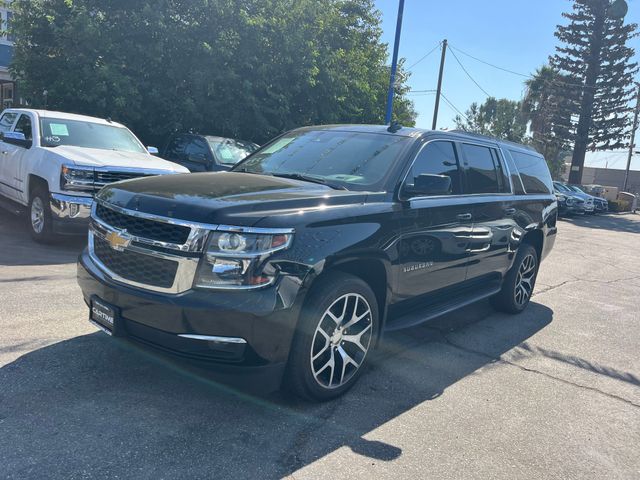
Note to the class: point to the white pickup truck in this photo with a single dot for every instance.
(53, 163)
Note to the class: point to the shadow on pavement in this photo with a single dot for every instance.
(103, 408)
(20, 249)
(628, 222)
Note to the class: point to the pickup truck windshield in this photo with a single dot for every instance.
(355, 160)
(56, 132)
(228, 151)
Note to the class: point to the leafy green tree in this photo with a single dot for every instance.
(500, 118)
(548, 112)
(249, 69)
(594, 53)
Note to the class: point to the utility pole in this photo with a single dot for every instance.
(394, 64)
(434, 125)
(632, 141)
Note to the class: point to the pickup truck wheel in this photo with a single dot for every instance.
(39, 216)
(519, 282)
(338, 326)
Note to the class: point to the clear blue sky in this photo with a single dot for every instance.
(513, 34)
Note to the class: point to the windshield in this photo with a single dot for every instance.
(56, 132)
(355, 160)
(575, 189)
(562, 188)
(228, 151)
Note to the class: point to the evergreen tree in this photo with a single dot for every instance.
(594, 56)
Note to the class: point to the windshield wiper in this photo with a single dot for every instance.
(309, 178)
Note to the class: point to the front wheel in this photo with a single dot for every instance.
(338, 326)
(519, 282)
(39, 216)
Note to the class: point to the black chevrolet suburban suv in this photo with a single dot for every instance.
(297, 261)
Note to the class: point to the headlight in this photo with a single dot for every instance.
(570, 201)
(238, 259)
(77, 179)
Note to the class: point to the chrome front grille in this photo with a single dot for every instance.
(146, 251)
(102, 177)
(136, 267)
(143, 227)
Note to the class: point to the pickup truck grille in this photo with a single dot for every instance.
(136, 267)
(142, 227)
(102, 178)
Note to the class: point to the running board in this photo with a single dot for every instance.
(418, 316)
(11, 206)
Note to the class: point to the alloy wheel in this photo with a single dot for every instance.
(525, 280)
(341, 341)
(37, 215)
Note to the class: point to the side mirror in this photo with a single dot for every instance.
(427, 184)
(16, 138)
(153, 150)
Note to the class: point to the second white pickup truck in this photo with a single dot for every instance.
(52, 163)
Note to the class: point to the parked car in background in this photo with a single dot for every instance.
(587, 201)
(568, 205)
(53, 163)
(601, 204)
(293, 264)
(206, 153)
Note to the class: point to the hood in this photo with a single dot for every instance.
(93, 157)
(229, 198)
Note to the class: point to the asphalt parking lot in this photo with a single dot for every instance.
(552, 393)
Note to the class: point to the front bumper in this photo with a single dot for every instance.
(70, 213)
(252, 330)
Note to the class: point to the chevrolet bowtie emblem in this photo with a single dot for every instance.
(118, 240)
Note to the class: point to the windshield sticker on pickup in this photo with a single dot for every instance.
(59, 129)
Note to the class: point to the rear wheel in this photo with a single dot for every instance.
(337, 328)
(519, 283)
(39, 216)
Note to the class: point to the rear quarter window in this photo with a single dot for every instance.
(533, 172)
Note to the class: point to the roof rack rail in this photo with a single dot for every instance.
(495, 139)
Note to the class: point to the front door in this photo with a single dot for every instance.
(6, 153)
(435, 229)
(13, 160)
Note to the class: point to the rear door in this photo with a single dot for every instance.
(435, 229)
(493, 210)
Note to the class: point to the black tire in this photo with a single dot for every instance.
(328, 292)
(507, 299)
(39, 202)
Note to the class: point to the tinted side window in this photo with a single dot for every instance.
(7, 121)
(175, 148)
(24, 126)
(483, 175)
(437, 158)
(197, 150)
(534, 172)
(518, 189)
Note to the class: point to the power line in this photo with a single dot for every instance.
(468, 74)
(453, 106)
(557, 82)
(425, 56)
(491, 64)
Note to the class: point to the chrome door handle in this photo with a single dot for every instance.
(464, 216)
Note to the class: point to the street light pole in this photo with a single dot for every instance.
(394, 64)
(632, 140)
